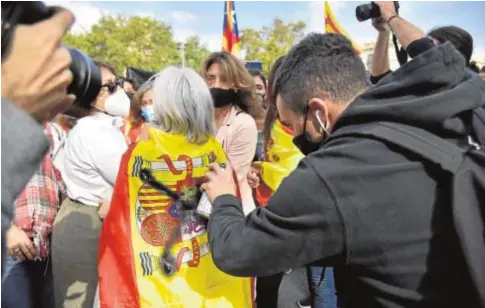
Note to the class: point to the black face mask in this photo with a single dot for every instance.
(223, 97)
(303, 141)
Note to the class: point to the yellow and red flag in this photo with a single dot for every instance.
(230, 33)
(332, 26)
(280, 159)
(141, 221)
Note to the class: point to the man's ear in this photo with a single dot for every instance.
(318, 108)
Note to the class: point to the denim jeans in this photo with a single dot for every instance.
(27, 284)
(322, 287)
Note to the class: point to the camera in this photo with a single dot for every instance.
(367, 11)
(86, 82)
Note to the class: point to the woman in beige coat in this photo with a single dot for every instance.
(233, 92)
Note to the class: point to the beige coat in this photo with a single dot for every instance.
(238, 136)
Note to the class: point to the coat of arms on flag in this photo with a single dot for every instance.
(141, 221)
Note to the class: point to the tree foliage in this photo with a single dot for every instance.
(269, 43)
(147, 43)
(135, 41)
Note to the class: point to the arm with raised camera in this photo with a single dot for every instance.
(405, 32)
(385, 17)
(380, 58)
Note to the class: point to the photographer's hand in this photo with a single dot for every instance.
(36, 74)
(380, 24)
(405, 32)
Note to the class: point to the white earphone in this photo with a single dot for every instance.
(318, 115)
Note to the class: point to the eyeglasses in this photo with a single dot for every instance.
(112, 86)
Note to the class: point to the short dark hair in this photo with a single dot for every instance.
(461, 39)
(318, 64)
(106, 65)
(258, 73)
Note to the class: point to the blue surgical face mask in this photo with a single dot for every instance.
(147, 113)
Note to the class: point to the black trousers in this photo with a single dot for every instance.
(267, 289)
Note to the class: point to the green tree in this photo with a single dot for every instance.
(269, 43)
(195, 53)
(140, 42)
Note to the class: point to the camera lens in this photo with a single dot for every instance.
(86, 82)
(367, 11)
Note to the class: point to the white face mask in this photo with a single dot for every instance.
(117, 104)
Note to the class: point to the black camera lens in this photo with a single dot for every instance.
(367, 11)
(86, 81)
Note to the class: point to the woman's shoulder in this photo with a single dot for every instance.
(244, 120)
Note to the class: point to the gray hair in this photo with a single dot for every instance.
(183, 104)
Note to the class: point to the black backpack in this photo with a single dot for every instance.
(466, 168)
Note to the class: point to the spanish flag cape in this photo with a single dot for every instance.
(280, 159)
(132, 132)
(140, 222)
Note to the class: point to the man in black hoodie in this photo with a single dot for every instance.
(374, 212)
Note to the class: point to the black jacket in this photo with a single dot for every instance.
(375, 213)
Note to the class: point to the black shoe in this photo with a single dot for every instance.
(305, 303)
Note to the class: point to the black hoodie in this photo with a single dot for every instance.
(374, 212)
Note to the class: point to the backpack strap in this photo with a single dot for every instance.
(416, 140)
(467, 215)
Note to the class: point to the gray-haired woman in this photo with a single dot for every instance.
(177, 148)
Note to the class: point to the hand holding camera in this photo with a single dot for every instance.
(380, 25)
(35, 74)
(388, 9)
(40, 75)
(377, 9)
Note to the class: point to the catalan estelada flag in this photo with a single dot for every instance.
(280, 159)
(230, 33)
(332, 26)
(141, 221)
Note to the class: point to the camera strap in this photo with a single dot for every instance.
(401, 54)
(167, 261)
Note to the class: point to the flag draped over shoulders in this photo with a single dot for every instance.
(280, 159)
(140, 222)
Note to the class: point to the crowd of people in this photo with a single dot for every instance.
(295, 166)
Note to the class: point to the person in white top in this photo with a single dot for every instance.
(91, 157)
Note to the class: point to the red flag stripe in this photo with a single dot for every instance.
(117, 275)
